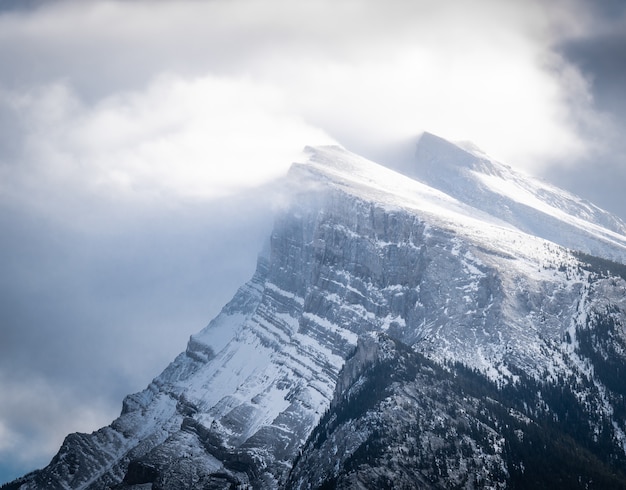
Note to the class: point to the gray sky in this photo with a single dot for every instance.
(139, 140)
(599, 53)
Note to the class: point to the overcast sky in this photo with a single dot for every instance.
(139, 141)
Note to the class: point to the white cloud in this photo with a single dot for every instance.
(183, 138)
(253, 77)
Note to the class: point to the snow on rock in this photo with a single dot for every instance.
(529, 204)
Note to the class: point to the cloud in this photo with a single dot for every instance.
(598, 49)
(594, 50)
(199, 138)
(356, 70)
(35, 411)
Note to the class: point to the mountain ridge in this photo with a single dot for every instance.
(531, 205)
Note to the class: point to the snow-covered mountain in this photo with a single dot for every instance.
(529, 204)
(397, 332)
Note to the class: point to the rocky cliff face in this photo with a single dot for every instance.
(406, 422)
(392, 333)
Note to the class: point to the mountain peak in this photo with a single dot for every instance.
(531, 205)
(431, 147)
(433, 156)
(469, 191)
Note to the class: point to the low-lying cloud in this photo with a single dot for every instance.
(192, 139)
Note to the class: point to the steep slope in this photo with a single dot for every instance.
(405, 422)
(362, 250)
(529, 204)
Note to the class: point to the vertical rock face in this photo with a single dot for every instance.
(391, 333)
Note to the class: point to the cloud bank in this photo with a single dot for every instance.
(180, 80)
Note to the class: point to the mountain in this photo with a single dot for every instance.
(453, 325)
(532, 206)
